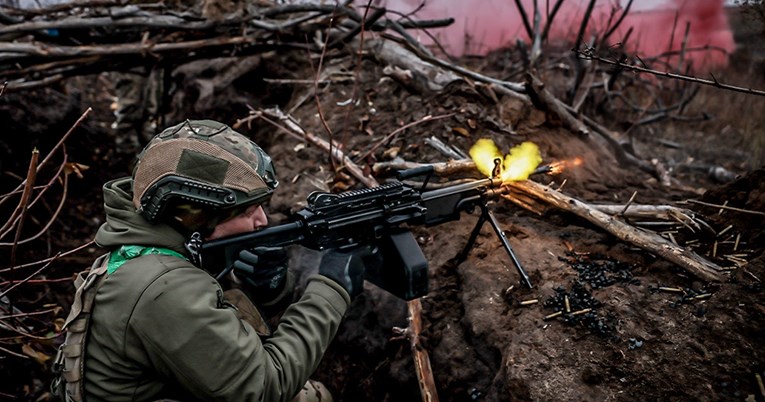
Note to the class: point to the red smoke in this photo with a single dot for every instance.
(707, 23)
(483, 25)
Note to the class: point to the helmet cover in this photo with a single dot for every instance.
(201, 164)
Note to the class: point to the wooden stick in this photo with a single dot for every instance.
(686, 259)
(421, 358)
(446, 150)
(138, 48)
(289, 124)
(25, 196)
(545, 100)
(641, 211)
(64, 192)
(618, 22)
(629, 202)
(13, 286)
(746, 211)
(441, 168)
(425, 78)
(524, 18)
(10, 352)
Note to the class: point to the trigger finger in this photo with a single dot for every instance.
(249, 257)
(243, 268)
(270, 251)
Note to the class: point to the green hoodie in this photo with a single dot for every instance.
(160, 328)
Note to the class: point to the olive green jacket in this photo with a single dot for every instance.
(160, 327)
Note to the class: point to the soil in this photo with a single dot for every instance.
(637, 341)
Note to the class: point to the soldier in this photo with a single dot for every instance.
(147, 324)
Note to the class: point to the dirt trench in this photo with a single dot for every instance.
(637, 342)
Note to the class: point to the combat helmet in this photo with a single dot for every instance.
(198, 173)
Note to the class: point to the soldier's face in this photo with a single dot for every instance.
(251, 219)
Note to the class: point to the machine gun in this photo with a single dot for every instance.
(379, 216)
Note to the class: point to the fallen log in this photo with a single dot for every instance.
(541, 97)
(648, 241)
(409, 69)
(684, 258)
(506, 88)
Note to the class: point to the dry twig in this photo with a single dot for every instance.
(55, 147)
(745, 211)
(589, 55)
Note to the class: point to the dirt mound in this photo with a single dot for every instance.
(624, 337)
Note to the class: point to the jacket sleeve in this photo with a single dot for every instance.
(191, 337)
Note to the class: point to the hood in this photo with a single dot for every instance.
(125, 226)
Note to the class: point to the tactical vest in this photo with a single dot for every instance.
(69, 366)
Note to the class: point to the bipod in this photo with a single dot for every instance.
(488, 216)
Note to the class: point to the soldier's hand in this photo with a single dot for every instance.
(346, 267)
(264, 269)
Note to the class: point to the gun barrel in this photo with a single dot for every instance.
(542, 169)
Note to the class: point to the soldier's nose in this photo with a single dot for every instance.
(259, 218)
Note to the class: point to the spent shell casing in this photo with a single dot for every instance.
(529, 302)
(553, 315)
(668, 289)
(583, 311)
(722, 232)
